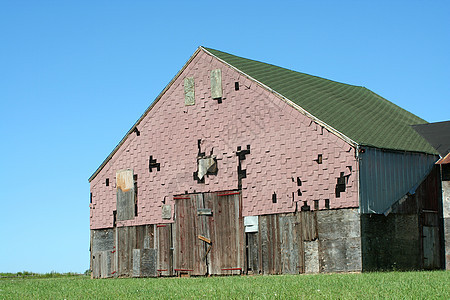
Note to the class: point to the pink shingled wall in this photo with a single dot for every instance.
(283, 146)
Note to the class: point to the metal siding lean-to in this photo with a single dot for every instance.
(386, 176)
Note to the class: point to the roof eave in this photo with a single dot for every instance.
(366, 145)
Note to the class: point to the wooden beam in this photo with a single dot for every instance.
(204, 239)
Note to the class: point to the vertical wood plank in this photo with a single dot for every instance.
(216, 84)
(226, 233)
(136, 272)
(189, 91)
(189, 250)
(164, 240)
(125, 195)
(288, 244)
(300, 238)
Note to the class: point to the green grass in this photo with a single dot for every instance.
(27, 274)
(391, 285)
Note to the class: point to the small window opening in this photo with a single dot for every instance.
(299, 181)
(236, 86)
(327, 203)
(107, 182)
(138, 133)
(319, 159)
(114, 218)
(90, 198)
(316, 204)
(274, 197)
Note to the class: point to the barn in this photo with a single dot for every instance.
(438, 135)
(243, 167)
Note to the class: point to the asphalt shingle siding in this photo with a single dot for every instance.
(355, 111)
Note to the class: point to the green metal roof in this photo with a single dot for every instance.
(354, 111)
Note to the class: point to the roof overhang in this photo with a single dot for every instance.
(437, 134)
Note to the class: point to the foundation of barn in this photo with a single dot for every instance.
(292, 243)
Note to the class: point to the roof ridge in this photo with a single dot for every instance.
(287, 69)
(354, 111)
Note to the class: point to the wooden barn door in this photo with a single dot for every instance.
(189, 250)
(208, 234)
(226, 233)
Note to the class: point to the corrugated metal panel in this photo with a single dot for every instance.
(387, 176)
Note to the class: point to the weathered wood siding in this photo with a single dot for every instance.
(189, 250)
(102, 253)
(208, 235)
(165, 249)
(123, 251)
(125, 195)
(306, 242)
(225, 228)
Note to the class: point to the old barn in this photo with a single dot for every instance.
(242, 167)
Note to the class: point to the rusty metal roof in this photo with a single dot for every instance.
(445, 160)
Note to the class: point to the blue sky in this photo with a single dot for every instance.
(76, 75)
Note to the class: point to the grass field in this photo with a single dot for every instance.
(391, 285)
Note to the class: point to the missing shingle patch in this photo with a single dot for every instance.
(319, 159)
(340, 185)
(153, 164)
(305, 206)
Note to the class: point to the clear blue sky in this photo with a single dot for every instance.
(76, 75)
